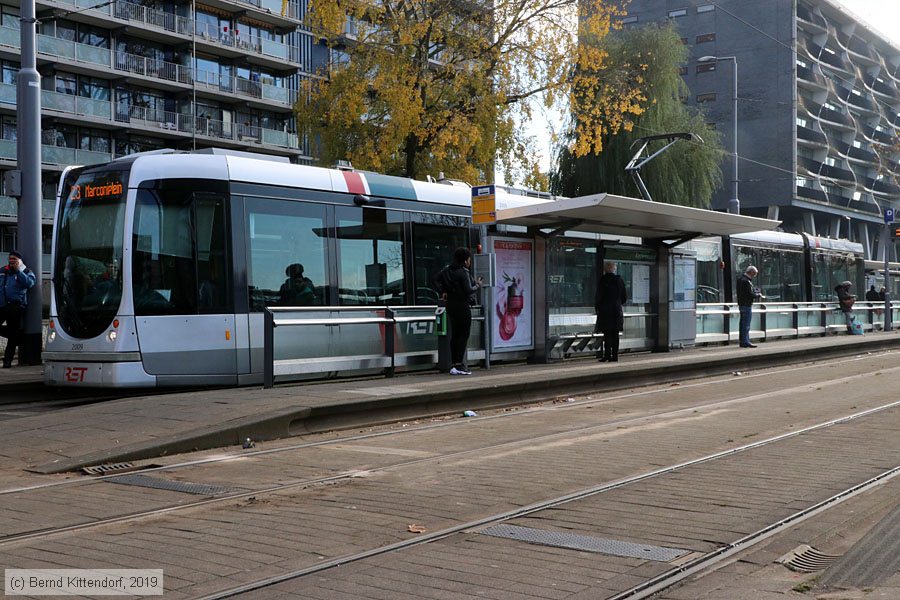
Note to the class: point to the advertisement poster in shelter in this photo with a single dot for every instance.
(513, 295)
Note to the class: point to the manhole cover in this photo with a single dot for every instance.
(561, 539)
(200, 489)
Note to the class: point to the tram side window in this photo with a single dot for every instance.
(433, 247)
(769, 280)
(743, 257)
(822, 290)
(286, 241)
(164, 276)
(370, 242)
(213, 294)
(792, 276)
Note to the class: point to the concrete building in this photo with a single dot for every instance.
(126, 76)
(818, 101)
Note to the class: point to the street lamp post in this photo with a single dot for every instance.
(734, 205)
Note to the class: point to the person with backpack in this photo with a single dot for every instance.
(846, 300)
(458, 289)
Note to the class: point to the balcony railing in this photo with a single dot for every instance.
(151, 67)
(129, 11)
(246, 87)
(248, 43)
(9, 207)
(149, 117)
(806, 133)
(141, 65)
(56, 155)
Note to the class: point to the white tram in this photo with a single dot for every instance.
(164, 261)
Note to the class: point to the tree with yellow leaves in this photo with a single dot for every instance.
(420, 87)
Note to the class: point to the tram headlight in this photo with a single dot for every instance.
(51, 336)
(111, 336)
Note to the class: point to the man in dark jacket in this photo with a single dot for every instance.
(459, 292)
(746, 294)
(608, 303)
(846, 300)
(15, 281)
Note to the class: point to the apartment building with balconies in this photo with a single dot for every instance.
(818, 103)
(135, 75)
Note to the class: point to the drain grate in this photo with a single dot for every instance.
(806, 559)
(107, 468)
(146, 481)
(560, 539)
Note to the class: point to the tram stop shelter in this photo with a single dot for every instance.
(665, 280)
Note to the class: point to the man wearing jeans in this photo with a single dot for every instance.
(746, 294)
(15, 281)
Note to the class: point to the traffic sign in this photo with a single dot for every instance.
(888, 215)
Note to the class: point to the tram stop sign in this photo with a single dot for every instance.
(888, 215)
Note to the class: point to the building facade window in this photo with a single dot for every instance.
(10, 71)
(706, 37)
(706, 8)
(706, 67)
(674, 14)
(706, 98)
(631, 19)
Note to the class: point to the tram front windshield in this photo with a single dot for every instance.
(88, 275)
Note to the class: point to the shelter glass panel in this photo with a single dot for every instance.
(572, 275)
(287, 262)
(370, 242)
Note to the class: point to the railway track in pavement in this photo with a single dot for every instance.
(543, 447)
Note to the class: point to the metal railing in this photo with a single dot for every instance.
(718, 323)
(568, 338)
(390, 318)
(152, 117)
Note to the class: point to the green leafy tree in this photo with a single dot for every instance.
(687, 173)
(428, 86)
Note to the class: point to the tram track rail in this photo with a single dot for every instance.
(541, 406)
(652, 585)
(611, 483)
(45, 533)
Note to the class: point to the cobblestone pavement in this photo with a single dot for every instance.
(444, 473)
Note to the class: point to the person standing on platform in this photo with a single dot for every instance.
(459, 292)
(746, 295)
(872, 294)
(15, 281)
(608, 303)
(846, 300)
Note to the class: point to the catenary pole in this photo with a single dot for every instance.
(28, 123)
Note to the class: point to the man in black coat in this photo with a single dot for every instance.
(746, 295)
(459, 291)
(610, 315)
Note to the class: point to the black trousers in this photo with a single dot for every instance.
(11, 321)
(611, 344)
(460, 316)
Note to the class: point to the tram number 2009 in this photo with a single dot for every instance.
(75, 374)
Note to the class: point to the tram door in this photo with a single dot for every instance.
(181, 284)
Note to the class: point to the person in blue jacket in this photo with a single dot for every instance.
(15, 281)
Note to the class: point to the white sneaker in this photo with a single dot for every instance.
(455, 371)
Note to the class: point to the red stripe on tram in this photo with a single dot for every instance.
(354, 182)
